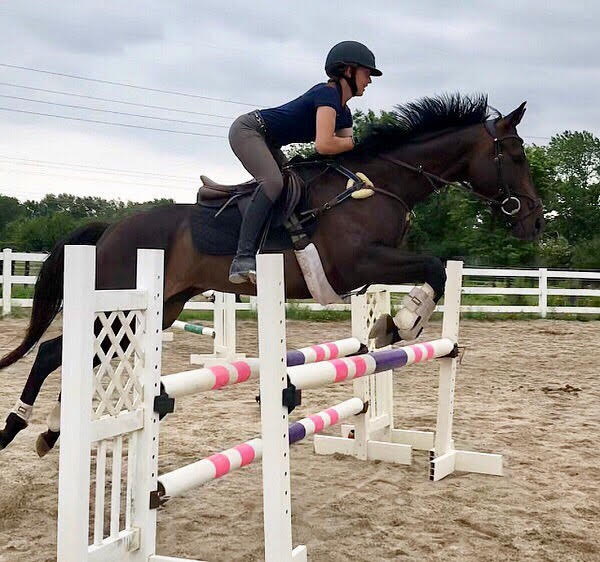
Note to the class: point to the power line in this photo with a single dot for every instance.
(147, 106)
(112, 123)
(169, 183)
(102, 180)
(114, 112)
(73, 166)
(126, 85)
(117, 101)
(9, 192)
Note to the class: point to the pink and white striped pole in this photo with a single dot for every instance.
(181, 480)
(345, 369)
(225, 374)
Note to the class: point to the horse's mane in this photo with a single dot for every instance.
(414, 119)
(424, 116)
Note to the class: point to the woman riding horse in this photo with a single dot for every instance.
(425, 146)
(319, 115)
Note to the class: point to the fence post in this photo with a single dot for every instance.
(543, 285)
(6, 281)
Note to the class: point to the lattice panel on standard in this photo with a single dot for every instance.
(117, 346)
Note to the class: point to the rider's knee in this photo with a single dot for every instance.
(272, 186)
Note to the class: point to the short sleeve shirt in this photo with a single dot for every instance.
(296, 121)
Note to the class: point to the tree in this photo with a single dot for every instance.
(39, 234)
(573, 203)
(10, 210)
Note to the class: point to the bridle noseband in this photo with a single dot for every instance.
(505, 198)
(503, 189)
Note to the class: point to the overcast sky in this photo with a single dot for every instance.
(258, 54)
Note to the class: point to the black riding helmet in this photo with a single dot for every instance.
(349, 53)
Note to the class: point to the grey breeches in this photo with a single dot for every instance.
(248, 142)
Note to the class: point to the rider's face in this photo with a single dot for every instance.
(363, 79)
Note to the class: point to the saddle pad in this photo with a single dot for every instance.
(219, 236)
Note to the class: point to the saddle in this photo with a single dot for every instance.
(213, 194)
(217, 216)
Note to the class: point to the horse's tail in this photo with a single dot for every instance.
(48, 294)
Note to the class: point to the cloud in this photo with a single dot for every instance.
(265, 53)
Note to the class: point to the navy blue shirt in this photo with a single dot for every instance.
(296, 121)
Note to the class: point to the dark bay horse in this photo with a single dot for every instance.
(429, 143)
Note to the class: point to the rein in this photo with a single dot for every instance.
(508, 201)
(508, 198)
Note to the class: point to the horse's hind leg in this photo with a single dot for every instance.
(48, 359)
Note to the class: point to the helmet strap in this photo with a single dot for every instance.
(352, 80)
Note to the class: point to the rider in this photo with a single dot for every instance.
(319, 115)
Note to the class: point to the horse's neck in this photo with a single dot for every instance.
(445, 155)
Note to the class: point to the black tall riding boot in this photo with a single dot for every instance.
(243, 266)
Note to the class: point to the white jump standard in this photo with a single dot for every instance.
(374, 436)
(115, 407)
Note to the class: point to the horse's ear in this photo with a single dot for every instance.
(514, 117)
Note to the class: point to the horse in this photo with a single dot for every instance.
(429, 143)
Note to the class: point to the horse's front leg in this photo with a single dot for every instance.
(389, 265)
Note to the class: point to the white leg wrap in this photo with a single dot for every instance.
(417, 308)
(53, 420)
(23, 410)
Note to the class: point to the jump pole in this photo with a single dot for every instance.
(182, 480)
(226, 374)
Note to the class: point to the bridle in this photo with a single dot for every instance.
(505, 199)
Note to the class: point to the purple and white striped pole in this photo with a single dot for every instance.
(345, 369)
(181, 480)
(225, 374)
(323, 352)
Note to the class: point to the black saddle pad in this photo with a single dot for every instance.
(218, 236)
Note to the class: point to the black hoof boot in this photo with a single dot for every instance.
(384, 331)
(46, 441)
(14, 424)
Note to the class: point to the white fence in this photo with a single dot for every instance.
(483, 281)
(9, 258)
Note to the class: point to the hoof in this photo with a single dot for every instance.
(45, 442)
(384, 331)
(14, 424)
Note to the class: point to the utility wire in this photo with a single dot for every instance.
(164, 187)
(112, 123)
(9, 192)
(114, 112)
(74, 166)
(116, 101)
(102, 175)
(165, 108)
(145, 88)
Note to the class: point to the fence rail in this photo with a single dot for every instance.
(11, 261)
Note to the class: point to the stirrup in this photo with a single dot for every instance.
(240, 272)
